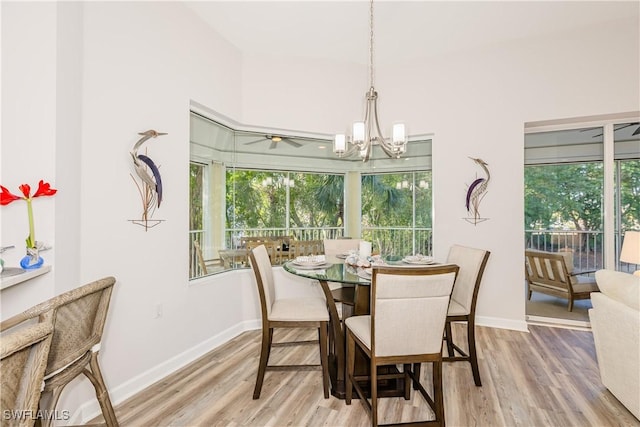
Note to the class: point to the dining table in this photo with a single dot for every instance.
(354, 295)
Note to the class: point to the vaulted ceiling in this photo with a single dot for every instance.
(404, 30)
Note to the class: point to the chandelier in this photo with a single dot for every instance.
(367, 133)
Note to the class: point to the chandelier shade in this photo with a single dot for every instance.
(367, 133)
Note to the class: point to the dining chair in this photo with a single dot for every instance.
(402, 299)
(200, 257)
(78, 318)
(462, 308)
(302, 312)
(270, 246)
(23, 359)
(342, 294)
(335, 247)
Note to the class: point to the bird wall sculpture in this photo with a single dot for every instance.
(151, 187)
(476, 192)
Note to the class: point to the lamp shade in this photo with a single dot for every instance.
(631, 247)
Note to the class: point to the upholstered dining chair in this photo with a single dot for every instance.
(23, 359)
(302, 312)
(78, 318)
(462, 308)
(402, 299)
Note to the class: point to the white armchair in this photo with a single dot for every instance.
(615, 322)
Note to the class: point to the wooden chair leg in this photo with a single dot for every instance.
(351, 361)
(416, 374)
(324, 358)
(407, 381)
(448, 338)
(473, 355)
(267, 334)
(374, 393)
(438, 398)
(570, 308)
(102, 394)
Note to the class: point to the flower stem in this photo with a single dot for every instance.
(31, 240)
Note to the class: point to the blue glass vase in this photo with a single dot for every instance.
(32, 260)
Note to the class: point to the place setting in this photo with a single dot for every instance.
(310, 262)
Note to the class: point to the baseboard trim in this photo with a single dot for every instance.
(559, 323)
(91, 409)
(501, 323)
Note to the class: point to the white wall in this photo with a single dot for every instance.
(476, 103)
(141, 65)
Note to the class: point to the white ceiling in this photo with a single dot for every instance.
(404, 30)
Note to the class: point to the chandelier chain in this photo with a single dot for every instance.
(371, 44)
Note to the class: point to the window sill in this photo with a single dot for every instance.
(6, 280)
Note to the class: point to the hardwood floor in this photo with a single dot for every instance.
(548, 377)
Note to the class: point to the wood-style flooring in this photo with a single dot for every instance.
(548, 377)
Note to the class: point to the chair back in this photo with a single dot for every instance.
(78, 317)
(334, 247)
(472, 263)
(305, 248)
(549, 269)
(271, 246)
(409, 309)
(23, 359)
(261, 266)
(200, 257)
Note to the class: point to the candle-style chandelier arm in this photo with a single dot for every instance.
(367, 133)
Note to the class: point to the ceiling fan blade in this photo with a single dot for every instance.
(292, 142)
(636, 132)
(273, 145)
(253, 142)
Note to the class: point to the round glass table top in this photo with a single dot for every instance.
(333, 271)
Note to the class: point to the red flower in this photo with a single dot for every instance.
(44, 189)
(25, 190)
(6, 197)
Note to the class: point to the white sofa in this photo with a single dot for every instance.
(615, 322)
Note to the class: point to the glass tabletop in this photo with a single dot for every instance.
(333, 272)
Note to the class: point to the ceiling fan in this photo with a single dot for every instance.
(275, 139)
(619, 127)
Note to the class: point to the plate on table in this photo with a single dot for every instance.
(310, 261)
(418, 259)
(312, 266)
(365, 273)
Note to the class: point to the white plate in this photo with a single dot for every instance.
(364, 275)
(312, 266)
(419, 260)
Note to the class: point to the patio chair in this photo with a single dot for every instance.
(78, 317)
(552, 273)
(23, 359)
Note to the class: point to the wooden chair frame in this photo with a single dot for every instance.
(268, 327)
(410, 376)
(470, 319)
(23, 360)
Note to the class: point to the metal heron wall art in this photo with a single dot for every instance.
(476, 192)
(150, 184)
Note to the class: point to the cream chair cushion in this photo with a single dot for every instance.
(299, 309)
